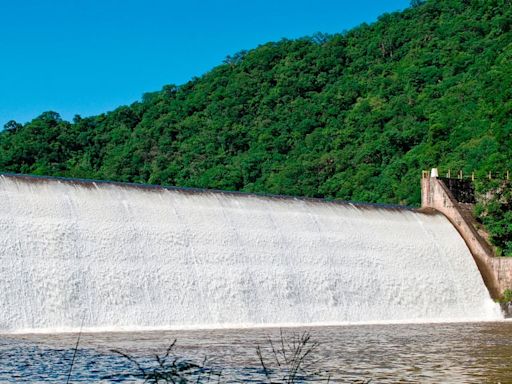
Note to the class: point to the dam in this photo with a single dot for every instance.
(113, 256)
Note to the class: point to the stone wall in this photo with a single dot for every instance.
(496, 271)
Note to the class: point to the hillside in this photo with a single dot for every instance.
(354, 116)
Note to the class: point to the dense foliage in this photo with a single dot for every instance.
(356, 115)
(494, 211)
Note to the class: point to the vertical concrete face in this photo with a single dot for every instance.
(496, 271)
(425, 191)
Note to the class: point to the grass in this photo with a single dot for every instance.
(290, 360)
(169, 368)
(287, 360)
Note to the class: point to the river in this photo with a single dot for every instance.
(477, 352)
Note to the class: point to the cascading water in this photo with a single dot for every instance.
(126, 257)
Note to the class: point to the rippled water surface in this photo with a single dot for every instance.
(419, 353)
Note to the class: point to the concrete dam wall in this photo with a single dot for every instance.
(123, 257)
(454, 201)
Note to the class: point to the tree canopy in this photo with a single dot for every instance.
(355, 115)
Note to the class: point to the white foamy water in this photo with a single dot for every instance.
(124, 257)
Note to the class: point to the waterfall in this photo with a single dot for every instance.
(121, 256)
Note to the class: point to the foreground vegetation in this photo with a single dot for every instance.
(355, 116)
(287, 360)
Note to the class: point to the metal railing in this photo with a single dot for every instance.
(500, 176)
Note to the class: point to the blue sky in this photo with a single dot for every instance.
(90, 56)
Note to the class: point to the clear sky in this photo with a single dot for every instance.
(90, 56)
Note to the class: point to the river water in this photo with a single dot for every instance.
(385, 353)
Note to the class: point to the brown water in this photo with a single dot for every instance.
(405, 353)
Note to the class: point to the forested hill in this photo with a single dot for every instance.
(355, 116)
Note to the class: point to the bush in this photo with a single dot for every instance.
(494, 211)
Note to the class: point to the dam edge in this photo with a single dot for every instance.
(93, 183)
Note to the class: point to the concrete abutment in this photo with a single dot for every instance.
(496, 271)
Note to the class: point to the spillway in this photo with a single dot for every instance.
(116, 257)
